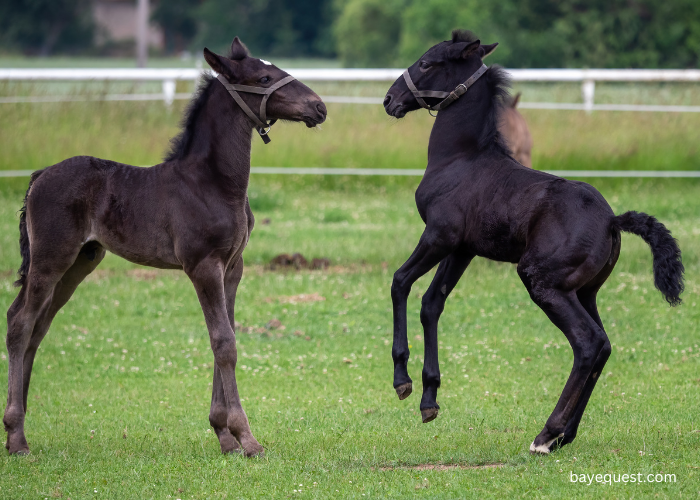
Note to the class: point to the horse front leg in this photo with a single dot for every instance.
(218, 413)
(448, 274)
(424, 258)
(208, 278)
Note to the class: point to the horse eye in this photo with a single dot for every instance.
(424, 66)
(264, 79)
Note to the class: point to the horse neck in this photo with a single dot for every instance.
(222, 138)
(458, 129)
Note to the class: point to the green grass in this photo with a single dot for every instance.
(318, 392)
(37, 135)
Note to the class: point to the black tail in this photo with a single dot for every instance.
(668, 268)
(23, 236)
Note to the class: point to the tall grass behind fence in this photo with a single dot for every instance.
(36, 135)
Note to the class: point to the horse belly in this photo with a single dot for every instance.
(496, 241)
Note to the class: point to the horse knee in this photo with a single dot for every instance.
(590, 351)
(604, 354)
(224, 348)
(399, 287)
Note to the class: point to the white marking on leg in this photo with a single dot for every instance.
(544, 448)
(444, 289)
(595, 374)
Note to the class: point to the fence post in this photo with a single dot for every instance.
(588, 94)
(168, 91)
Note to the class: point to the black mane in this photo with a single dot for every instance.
(463, 36)
(180, 144)
(498, 82)
(499, 87)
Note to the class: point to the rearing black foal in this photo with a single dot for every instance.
(190, 212)
(476, 200)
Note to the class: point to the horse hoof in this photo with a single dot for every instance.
(539, 450)
(255, 452)
(21, 453)
(429, 414)
(404, 390)
(546, 448)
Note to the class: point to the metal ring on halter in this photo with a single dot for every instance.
(264, 131)
(430, 112)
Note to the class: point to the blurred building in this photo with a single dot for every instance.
(115, 23)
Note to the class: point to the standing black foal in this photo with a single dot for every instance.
(476, 200)
(190, 212)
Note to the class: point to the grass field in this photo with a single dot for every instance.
(120, 393)
(35, 135)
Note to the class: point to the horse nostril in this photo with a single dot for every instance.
(321, 108)
(387, 100)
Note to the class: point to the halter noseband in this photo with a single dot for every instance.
(261, 124)
(447, 97)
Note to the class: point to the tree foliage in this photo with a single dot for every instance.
(269, 27)
(533, 33)
(43, 27)
(367, 33)
(178, 21)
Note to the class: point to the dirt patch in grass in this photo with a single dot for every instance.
(443, 467)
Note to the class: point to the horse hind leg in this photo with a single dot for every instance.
(587, 339)
(21, 319)
(587, 298)
(87, 261)
(27, 315)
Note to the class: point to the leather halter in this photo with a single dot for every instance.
(447, 97)
(261, 123)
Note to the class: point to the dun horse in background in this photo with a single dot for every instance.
(476, 200)
(514, 129)
(190, 212)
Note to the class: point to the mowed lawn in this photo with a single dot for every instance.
(120, 394)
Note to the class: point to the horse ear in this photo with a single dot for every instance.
(221, 65)
(214, 61)
(514, 103)
(488, 50)
(462, 50)
(238, 50)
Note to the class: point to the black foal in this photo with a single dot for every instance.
(476, 200)
(190, 212)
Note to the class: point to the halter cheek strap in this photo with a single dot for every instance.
(261, 123)
(447, 97)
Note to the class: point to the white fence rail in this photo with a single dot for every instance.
(168, 77)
